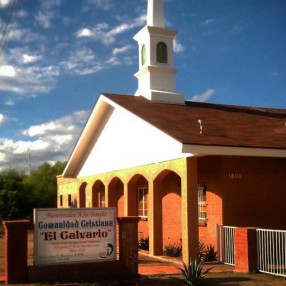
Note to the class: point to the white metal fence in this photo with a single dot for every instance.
(271, 251)
(225, 243)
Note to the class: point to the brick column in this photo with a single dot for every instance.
(245, 249)
(128, 243)
(190, 234)
(126, 199)
(16, 251)
(151, 218)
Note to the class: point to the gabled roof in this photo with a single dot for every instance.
(226, 129)
(222, 125)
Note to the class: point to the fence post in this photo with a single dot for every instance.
(128, 243)
(16, 251)
(218, 227)
(245, 249)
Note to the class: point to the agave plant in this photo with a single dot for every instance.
(193, 273)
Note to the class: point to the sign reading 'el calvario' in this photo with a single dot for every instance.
(74, 235)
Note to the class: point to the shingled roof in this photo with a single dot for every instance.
(223, 125)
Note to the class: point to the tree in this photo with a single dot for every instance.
(15, 201)
(43, 183)
(20, 193)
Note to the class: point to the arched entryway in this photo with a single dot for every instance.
(167, 210)
(82, 195)
(98, 194)
(138, 203)
(116, 195)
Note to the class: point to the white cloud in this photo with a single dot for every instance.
(44, 18)
(82, 62)
(4, 3)
(204, 96)
(47, 142)
(103, 33)
(9, 102)
(100, 4)
(2, 119)
(50, 4)
(21, 14)
(30, 80)
(113, 61)
(209, 21)
(23, 35)
(30, 59)
(178, 47)
(121, 50)
(47, 13)
(84, 33)
(7, 71)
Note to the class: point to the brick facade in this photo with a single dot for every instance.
(241, 191)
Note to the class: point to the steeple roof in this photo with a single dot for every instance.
(156, 75)
(155, 14)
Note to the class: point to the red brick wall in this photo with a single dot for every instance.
(243, 192)
(171, 210)
(143, 230)
(207, 233)
(116, 196)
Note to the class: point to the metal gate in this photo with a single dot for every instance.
(225, 244)
(271, 251)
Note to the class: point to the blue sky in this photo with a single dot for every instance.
(57, 56)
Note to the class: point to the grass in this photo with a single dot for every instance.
(213, 278)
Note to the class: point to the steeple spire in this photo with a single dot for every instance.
(156, 75)
(155, 14)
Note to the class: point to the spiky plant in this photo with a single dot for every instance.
(193, 273)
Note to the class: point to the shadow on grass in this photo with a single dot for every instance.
(167, 281)
(223, 280)
(206, 282)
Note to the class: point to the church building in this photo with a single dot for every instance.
(183, 167)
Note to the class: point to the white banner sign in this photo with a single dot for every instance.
(74, 235)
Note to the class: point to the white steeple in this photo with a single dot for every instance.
(155, 14)
(156, 75)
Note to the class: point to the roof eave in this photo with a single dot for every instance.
(95, 124)
(202, 150)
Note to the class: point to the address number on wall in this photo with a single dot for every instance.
(235, 176)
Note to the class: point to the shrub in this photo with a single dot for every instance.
(202, 250)
(210, 253)
(173, 250)
(193, 273)
(143, 243)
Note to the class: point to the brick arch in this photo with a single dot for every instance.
(167, 210)
(82, 195)
(98, 194)
(137, 198)
(116, 195)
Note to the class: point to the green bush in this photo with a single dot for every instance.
(210, 253)
(143, 243)
(202, 250)
(193, 273)
(173, 250)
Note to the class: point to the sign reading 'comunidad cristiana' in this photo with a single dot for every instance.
(74, 235)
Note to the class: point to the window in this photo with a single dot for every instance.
(162, 53)
(202, 203)
(69, 200)
(61, 200)
(102, 198)
(143, 55)
(142, 202)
